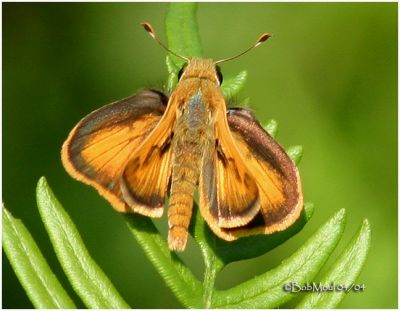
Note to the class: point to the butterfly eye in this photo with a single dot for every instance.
(180, 73)
(219, 75)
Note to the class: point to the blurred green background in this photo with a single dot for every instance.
(328, 75)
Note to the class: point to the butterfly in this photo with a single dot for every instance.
(137, 151)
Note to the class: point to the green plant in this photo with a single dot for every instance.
(264, 291)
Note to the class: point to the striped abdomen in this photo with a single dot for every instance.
(188, 143)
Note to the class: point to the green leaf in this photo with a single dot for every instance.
(171, 67)
(271, 127)
(182, 31)
(295, 153)
(245, 103)
(232, 86)
(343, 273)
(246, 247)
(86, 277)
(41, 285)
(177, 276)
(267, 290)
(172, 74)
(182, 36)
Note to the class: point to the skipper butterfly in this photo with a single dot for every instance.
(139, 149)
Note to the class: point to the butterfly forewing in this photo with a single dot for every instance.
(278, 180)
(99, 147)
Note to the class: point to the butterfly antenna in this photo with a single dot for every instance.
(260, 40)
(152, 33)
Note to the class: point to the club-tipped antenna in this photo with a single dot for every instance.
(260, 40)
(152, 33)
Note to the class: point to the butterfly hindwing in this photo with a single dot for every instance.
(228, 192)
(101, 144)
(146, 177)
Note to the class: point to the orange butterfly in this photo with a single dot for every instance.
(137, 150)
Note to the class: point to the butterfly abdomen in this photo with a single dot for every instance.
(188, 143)
(184, 181)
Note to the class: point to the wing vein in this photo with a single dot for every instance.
(127, 142)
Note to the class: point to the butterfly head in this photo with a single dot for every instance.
(201, 68)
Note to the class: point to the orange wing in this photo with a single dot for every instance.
(278, 181)
(228, 192)
(98, 149)
(145, 179)
(281, 199)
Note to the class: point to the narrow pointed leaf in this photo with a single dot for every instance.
(40, 284)
(295, 153)
(267, 290)
(86, 277)
(177, 276)
(172, 74)
(182, 31)
(232, 86)
(271, 127)
(343, 274)
(172, 68)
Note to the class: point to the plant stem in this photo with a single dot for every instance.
(210, 273)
